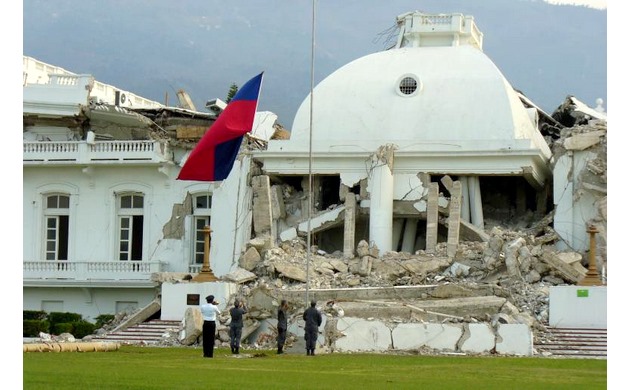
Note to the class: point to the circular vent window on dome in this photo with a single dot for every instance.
(408, 85)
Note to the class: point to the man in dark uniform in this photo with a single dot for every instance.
(313, 319)
(236, 325)
(282, 325)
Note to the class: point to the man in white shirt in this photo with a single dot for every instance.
(209, 312)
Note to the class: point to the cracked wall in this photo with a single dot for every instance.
(175, 227)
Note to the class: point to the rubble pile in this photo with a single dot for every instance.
(514, 264)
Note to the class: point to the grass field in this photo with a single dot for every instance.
(133, 367)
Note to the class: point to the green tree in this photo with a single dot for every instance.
(231, 92)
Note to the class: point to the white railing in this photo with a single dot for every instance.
(437, 19)
(88, 270)
(62, 79)
(83, 153)
(418, 29)
(61, 147)
(123, 147)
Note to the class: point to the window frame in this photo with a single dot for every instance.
(197, 235)
(132, 216)
(61, 217)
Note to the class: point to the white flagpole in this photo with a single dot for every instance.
(310, 159)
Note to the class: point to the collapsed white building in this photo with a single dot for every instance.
(429, 189)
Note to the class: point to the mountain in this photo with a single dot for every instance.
(156, 47)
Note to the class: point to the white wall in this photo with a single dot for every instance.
(578, 307)
(89, 302)
(174, 296)
(93, 223)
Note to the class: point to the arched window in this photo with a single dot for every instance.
(130, 207)
(202, 211)
(56, 224)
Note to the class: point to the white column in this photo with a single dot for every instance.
(476, 209)
(465, 199)
(382, 207)
(432, 217)
(349, 225)
(454, 207)
(399, 223)
(409, 238)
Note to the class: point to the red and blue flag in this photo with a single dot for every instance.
(213, 157)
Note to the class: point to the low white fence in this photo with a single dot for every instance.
(83, 153)
(87, 270)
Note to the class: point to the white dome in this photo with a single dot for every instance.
(461, 101)
(435, 99)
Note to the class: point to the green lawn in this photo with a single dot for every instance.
(185, 368)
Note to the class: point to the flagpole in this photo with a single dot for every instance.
(310, 158)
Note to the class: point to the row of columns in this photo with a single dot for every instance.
(465, 204)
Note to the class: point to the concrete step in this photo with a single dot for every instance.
(574, 342)
(149, 332)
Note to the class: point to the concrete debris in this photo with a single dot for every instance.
(192, 326)
(240, 276)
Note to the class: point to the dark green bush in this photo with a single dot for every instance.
(80, 329)
(61, 327)
(33, 315)
(58, 317)
(32, 328)
(57, 323)
(103, 319)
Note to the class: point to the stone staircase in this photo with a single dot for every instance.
(149, 332)
(573, 343)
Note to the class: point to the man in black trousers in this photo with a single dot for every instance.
(236, 325)
(313, 319)
(209, 312)
(282, 325)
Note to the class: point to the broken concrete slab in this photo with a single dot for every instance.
(470, 232)
(426, 310)
(240, 276)
(564, 270)
(324, 220)
(250, 259)
(416, 335)
(192, 326)
(515, 339)
(362, 335)
(477, 338)
(584, 140)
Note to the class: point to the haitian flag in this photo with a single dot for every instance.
(213, 157)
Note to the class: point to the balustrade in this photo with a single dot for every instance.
(84, 270)
(83, 153)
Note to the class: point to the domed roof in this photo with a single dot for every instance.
(435, 96)
(415, 98)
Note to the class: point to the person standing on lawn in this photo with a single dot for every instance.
(282, 325)
(209, 312)
(313, 319)
(236, 325)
